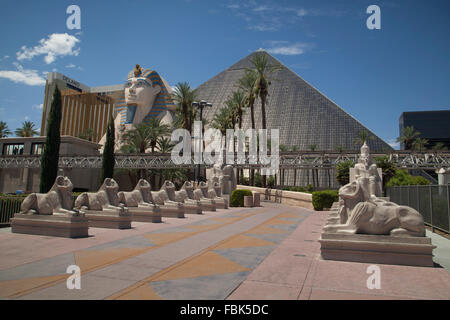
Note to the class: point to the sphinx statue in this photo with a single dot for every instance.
(362, 211)
(142, 90)
(103, 208)
(211, 193)
(140, 203)
(225, 177)
(197, 195)
(51, 213)
(58, 201)
(190, 206)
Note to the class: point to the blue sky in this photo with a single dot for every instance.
(374, 75)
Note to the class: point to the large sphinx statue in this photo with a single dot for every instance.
(103, 208)
(51, 213)
(361, 211)
(225, 177)
(143, 90)
(140, 203)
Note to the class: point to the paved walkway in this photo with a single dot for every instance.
(242, 253)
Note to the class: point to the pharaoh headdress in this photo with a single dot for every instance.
(162, 102)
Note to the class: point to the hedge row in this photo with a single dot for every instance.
(324, 199)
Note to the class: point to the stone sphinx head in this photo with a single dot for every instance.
(140, 93)
(111, 188)
(63, 186)
(145, 189)
(189, 188)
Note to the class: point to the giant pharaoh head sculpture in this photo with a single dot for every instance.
(140, 92)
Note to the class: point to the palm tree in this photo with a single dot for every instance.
(4, 130)
(222, 120)
(165, 145)
(247, 85)
(419, 144)
(363, 136)
(407, 137)
(157, 130)
(440, 146)
(263, 70)
(27, 130)
(183, 95)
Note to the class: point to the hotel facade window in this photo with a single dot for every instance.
(37, 148)
(13, 149)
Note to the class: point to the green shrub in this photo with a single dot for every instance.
(309, 188)
(258, 180)
(270, 182)
(324, 199)
(343, 172)
(237, 197)
(403, 178)
(245, 181)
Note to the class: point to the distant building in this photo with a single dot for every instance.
(83, 107)
(432, 125)
(27, 179)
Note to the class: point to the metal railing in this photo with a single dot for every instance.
(9, 206)
(432, 201)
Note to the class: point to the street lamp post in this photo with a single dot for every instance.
(200, 105)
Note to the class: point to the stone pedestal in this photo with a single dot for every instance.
(409, 251)
(248, 201)
(111, 219)
(148, 214)
(172, 211)
(256, 199)
(73, 226)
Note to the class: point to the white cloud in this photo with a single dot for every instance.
(394, 144)
(26, 76)
(57, 44)
(233, 6)
(302, 12)
(261, 27)
(282, 48)
(261, 8)
(37, 106)
(71, 65)
(27, 118)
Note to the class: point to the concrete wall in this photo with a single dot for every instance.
(290, 198)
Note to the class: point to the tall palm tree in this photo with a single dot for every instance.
(363, 136)
(4, 130)
(27, 130)
(247, 85)
(407, 137)
(222, 120)
(183, 95)
(420, 144)
(263, 70)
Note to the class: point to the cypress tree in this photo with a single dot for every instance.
(108, 160)
(50, 155)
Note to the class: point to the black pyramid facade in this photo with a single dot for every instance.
(303, 115)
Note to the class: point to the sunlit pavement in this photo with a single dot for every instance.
(269, 252)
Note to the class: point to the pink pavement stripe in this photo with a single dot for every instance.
(18, 249)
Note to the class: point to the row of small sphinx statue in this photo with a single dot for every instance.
(168, 201)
